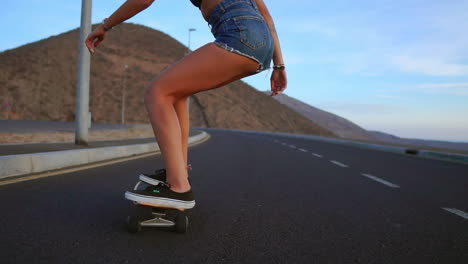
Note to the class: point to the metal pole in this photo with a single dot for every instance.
(82, 95)
(189, 33)
(124, 91)
(189, 40)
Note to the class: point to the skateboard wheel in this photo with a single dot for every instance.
(181, 223)
(133, 225)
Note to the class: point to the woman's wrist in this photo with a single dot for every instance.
(105, 26)
(279, 67)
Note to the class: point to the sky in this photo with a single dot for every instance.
(395, 66)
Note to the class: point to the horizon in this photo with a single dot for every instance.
(395, 67)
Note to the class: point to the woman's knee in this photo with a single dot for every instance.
(181, 101)
(156, 94)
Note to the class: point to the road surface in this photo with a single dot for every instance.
(260, 199)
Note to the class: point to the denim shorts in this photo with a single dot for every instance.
(239, 27)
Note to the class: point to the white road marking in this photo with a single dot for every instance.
(317, 155)
(303, 150)
(339, 163)
(284, 144)
(292, 146)
(457, 212)
(377, 179)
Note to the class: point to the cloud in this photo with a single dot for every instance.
(351, 108)
(390, 96)
(429, 66)
(291, 59)
(455, 89)
(443, 85)
(460, 89)
(366, 63)
(307, 26)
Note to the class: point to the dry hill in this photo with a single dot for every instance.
(38, 82)
(338, 125)
(349, 130)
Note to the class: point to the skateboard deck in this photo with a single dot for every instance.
(149, 215)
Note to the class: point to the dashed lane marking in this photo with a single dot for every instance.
(339, 163)
(303, 150)
(377, 179)
(457, 212)
(292, 146)
(317, 155)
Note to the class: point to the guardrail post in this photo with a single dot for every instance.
(82, 115)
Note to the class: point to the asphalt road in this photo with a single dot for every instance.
(260, 199)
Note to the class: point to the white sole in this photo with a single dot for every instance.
(159, 201)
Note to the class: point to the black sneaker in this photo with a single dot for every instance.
(162, 196)
(158, 177)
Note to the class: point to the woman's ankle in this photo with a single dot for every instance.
(179, 182)
(181, 188)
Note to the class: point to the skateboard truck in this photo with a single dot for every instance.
(179, 223)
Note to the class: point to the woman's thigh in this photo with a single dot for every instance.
(206, 68)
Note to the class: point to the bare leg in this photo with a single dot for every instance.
(204, 69)
(181, 109)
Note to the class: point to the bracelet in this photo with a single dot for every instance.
(104, 25)
(279, 67)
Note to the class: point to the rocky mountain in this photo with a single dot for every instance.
(436, 144)
(348, 130)
(338, 125)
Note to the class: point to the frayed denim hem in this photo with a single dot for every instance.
(230, 49)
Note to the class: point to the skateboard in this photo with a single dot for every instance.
(147, 215)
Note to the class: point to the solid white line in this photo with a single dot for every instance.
(317, 155)
(303, 150)
(457, 212)
(339, 163)
(389, 184)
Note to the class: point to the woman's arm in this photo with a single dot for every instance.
(278, 78)
(126, 11)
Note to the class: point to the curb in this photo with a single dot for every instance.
(453, 157)
(25, 164)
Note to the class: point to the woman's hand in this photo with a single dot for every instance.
(279, 81)
(95, 38)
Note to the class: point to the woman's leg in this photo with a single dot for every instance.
(204, 69)
(181, 108)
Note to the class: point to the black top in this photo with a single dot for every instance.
(196, 3)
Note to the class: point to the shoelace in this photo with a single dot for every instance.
(161, 186)
(158, 172)
(164, 185)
